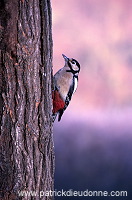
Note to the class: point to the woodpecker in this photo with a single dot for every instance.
(65, 84)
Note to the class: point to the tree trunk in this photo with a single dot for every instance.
(26, 143)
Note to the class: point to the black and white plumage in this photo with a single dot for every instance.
(65, 84)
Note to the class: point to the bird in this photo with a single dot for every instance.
(65, 83)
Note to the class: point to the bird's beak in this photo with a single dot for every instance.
(66, 58)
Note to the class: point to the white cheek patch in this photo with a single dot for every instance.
(75, 84)
(75, 67)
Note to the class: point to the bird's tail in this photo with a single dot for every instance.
(54, 117)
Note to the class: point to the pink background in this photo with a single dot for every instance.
(93, 140)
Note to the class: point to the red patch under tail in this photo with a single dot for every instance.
(58, 103)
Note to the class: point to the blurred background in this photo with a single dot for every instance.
(93, 141)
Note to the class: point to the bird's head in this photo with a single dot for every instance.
(72, 64)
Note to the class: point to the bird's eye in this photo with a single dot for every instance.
(73, 62)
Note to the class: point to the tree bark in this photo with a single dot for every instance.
(26, 142)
